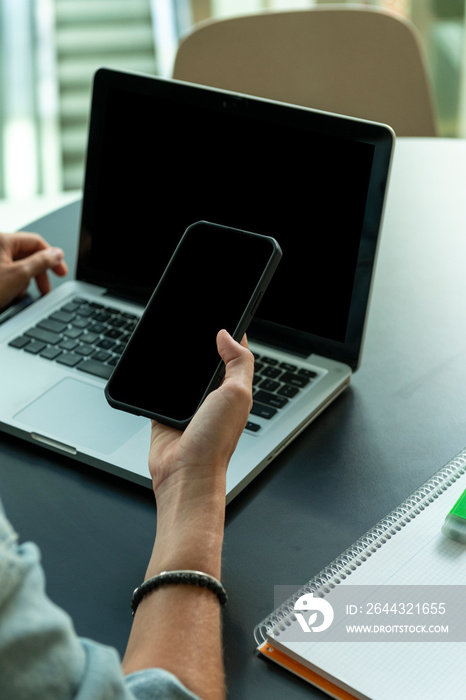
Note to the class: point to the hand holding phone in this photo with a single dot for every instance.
(215, 279)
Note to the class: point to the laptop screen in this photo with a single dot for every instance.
(164, 154)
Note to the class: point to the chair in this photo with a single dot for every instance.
(355, 60)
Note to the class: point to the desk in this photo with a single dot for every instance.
(403, 417)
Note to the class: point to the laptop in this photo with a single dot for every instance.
(162, 155)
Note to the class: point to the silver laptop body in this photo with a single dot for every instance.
(161, 155)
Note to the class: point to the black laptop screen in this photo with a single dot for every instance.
(163, 155)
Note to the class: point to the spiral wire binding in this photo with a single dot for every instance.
(366, 546)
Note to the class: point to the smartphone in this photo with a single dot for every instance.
(215, 279)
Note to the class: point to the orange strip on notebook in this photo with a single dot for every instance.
(306, 673)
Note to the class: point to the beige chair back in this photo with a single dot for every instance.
(355, 60)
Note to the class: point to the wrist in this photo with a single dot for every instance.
(181, 577)
(192, 490)
(190, 526)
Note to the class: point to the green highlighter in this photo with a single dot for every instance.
(454, 526)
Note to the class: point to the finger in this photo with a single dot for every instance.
(42, 278)
(25, 244)
(238, 359)
(43, 283)
(36, 265)
(226, 348)
(61, 269)
(230, 349)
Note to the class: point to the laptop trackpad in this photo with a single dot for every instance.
(77, 414)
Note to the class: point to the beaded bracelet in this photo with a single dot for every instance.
(184, 576)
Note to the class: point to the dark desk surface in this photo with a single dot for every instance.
(403, 417)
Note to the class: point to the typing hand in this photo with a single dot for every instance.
(22, 257)
(205, 447)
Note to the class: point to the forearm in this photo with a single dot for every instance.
(178, 627)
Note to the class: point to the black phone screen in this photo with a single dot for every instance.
(210, 283)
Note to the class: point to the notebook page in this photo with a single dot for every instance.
(418, 554)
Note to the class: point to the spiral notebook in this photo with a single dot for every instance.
(405, 552)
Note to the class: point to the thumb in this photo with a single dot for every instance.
(238, 359)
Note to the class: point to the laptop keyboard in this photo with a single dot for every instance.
(91, 336)
(83, 334)
(275, 384)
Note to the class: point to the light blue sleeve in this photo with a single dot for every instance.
(40, 654)
(157, 684)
